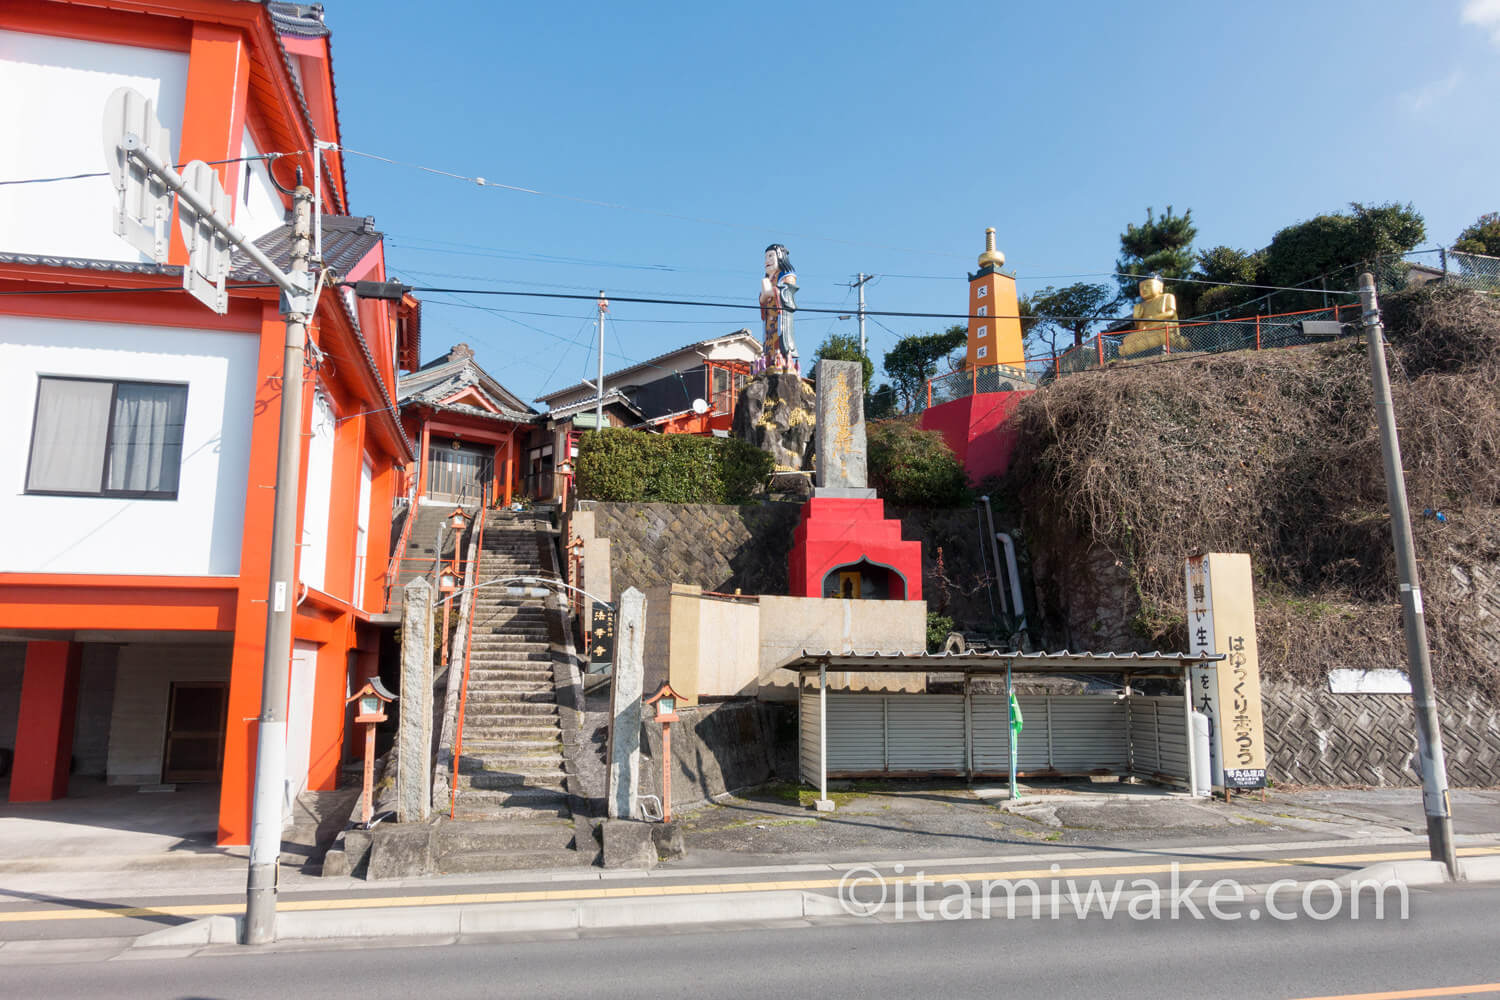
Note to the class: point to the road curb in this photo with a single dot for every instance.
(506, 918)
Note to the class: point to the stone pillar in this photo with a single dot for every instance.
(840, 449)
(625, 714)
(414, 740)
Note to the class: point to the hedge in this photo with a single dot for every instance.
(632, 467)
(910, 467)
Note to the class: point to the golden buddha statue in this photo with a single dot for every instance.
(1155, 321)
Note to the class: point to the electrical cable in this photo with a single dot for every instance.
(483, 182)
(179, 166)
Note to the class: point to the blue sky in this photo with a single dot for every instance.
(875, 137)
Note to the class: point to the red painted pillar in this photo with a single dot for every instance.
(44, 730)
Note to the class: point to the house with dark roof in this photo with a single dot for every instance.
(141, 464)
(470, 430)
(689, 390)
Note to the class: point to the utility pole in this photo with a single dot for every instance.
(270, 756)
(599, 401)
(1434, 769)
(137, 151)
(859, 283)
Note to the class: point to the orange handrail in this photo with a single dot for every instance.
(463, 691)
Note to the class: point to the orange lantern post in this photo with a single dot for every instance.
(665, 702)
(372, 698)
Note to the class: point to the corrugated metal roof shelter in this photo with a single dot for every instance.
(857, 733)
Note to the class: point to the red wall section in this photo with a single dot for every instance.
(972, 428)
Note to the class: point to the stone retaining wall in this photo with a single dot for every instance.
(1319, 738)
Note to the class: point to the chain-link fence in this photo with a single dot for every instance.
(1472, 270)
(1280, 318)
(973, 381)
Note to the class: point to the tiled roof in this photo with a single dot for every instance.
(346, 240)
(440, 379)
(91, 264)
(304, 20)
(345, 298)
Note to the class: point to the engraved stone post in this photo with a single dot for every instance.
(625, 714)
(414, 755)
(841, 431)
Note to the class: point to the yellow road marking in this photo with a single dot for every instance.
(615, 892)
(1432, 991)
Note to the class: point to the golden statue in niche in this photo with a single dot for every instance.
(1155, 321)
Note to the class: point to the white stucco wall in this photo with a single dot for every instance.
(258, 208)
(143, 688)
(52, 123)
(199, 533)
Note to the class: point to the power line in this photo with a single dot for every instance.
(105, 173)
(702, 304)
(484, 182)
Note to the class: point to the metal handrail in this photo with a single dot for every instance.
(463, 691)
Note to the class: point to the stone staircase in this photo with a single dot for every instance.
(512, 791)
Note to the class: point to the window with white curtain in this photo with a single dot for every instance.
(95, 437)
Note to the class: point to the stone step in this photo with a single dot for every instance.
(497, 652)
(546, 723)
(538, 710)
(474, 863)
(551, 735)
(480, 738)
(504, 674)
(521, 803)
(511, 835)
(514, 701)
(493, 704)
(504, 781)
(507, 686)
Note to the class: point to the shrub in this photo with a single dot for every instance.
(938, 627)
(633, 466)
(914, 468)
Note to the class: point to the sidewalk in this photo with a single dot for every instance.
(84, 880)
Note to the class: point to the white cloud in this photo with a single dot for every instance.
(1485, 14)
(1425, 96)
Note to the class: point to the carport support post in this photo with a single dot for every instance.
(1010, 719)
(1187, 721)
(969, 725)
(824, 803)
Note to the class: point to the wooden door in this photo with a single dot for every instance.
(196, 714)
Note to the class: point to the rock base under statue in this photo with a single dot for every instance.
(776, 412)
(847, 547)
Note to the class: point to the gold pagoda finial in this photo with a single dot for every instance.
(991, 257)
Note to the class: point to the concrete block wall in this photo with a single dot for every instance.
(143, 684)
(96, 699)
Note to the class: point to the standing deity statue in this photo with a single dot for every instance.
(778, 291)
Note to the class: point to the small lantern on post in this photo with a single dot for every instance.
(372, 699)
(665, 703)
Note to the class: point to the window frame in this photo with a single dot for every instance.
(109, 438)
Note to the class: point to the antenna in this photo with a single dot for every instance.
(208, 247)
(142, 203)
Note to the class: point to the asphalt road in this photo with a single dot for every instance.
(1449, 940)
(29, 916)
